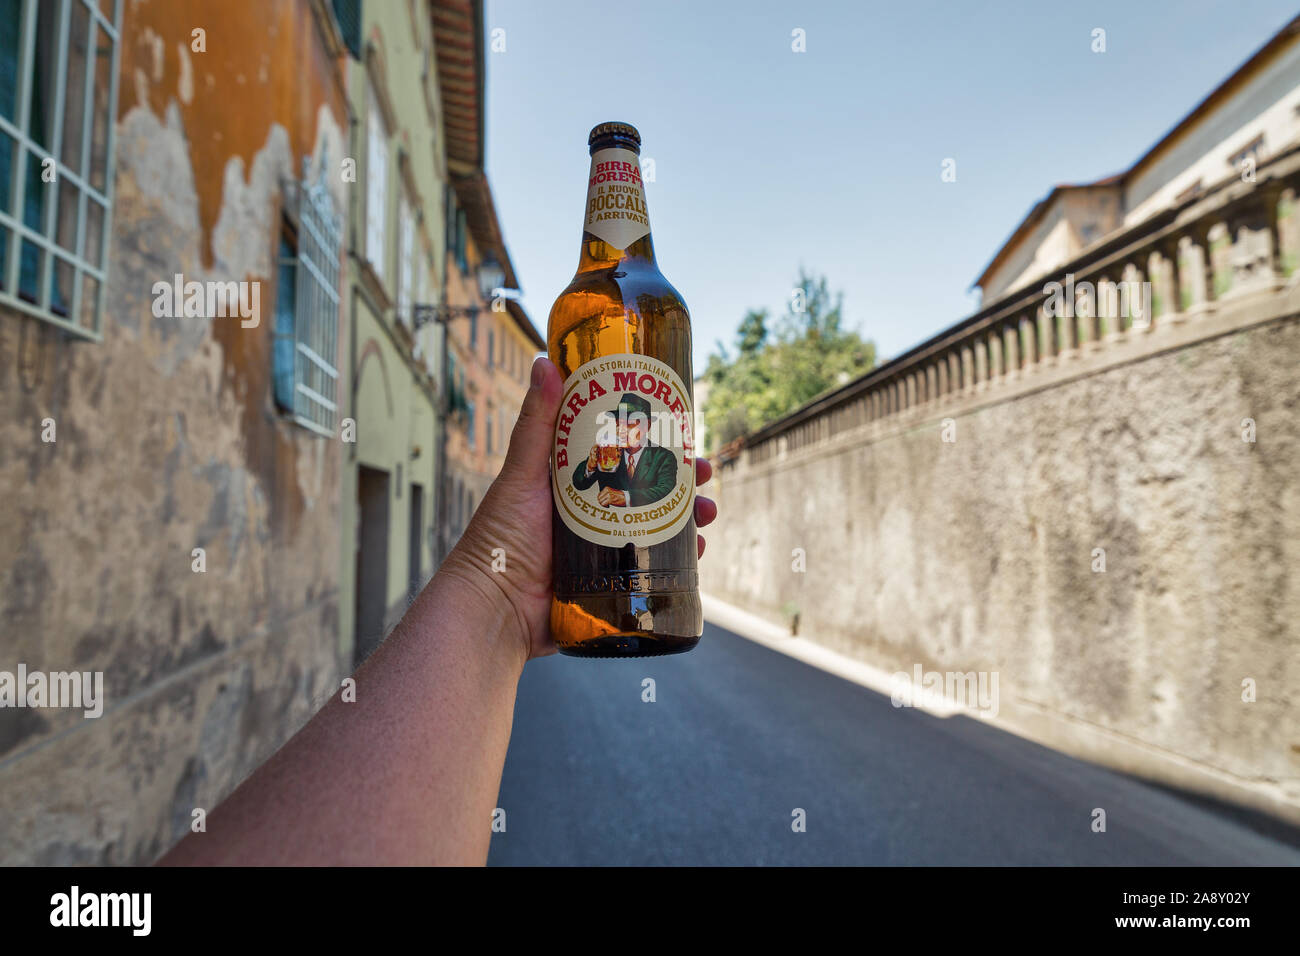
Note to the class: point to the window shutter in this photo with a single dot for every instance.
(348, 14)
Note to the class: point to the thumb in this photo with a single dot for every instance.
(529, 455)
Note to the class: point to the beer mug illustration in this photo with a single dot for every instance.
(607, 455)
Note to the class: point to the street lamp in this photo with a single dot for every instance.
(490, 278)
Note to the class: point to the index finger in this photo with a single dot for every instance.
(703, 471)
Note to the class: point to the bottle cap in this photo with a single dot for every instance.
(621, 135)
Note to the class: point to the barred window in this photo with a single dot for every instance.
(58, 95)
(305, 349)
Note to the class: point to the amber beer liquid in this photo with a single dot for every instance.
(623, 458)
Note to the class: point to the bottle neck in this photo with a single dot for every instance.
(616, 226)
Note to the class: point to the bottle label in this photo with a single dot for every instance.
(616, 198)
(623, 458)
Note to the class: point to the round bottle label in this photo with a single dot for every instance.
(623, 458)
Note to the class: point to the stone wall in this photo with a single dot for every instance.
(979, 553)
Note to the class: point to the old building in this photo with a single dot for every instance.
(490, 341)
(395, 266)
(169, 451)
(249, 266)
(1253, 115)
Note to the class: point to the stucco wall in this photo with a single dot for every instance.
(167, 440)
(977, 555)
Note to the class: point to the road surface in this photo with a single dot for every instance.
(740, 736)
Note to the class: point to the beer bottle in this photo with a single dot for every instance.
(623, 457)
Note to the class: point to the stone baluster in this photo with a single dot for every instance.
(1047, 343)
(1134, 300)
(1286, 228)
(1026, 329)
(1219, 243)
(1254, 249)
(1193, 275)
(1164, 298)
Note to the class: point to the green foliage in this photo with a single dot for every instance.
(775, 370)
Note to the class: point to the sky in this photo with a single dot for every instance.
(767, 160)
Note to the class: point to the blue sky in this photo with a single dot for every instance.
(767, 159)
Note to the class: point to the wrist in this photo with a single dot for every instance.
(483, 613)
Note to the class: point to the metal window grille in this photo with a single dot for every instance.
(316, 306)
(58, 102)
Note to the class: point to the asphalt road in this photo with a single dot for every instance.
(740, 736)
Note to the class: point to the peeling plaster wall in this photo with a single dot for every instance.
(168, 440)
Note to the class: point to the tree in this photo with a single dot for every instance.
(771, 375)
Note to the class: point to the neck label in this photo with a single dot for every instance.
(616, 209)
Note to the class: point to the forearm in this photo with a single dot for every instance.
(409, 772)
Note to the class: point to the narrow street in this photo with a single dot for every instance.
(739, 736)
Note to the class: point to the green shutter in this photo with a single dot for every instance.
(348, 14)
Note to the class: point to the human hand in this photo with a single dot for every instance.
(592, 458)
(515, 515)
(611, 496)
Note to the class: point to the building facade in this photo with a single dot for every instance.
(1250, 117)
(490, 348)
(171, 237)
(396, 246)
(488, 340)
(239, 246)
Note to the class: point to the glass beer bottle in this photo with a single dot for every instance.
(623, 458)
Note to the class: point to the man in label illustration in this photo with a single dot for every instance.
(642, 473)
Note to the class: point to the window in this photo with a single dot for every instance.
(492, 349)
(348, 14)
(304, 351)
(58, 96)
(473, 331)
(1252, 151)
(469, 423)
(487, 427)
(462, 232)
(376, 184)
(405, 253)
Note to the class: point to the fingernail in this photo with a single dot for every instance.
(539, 371)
